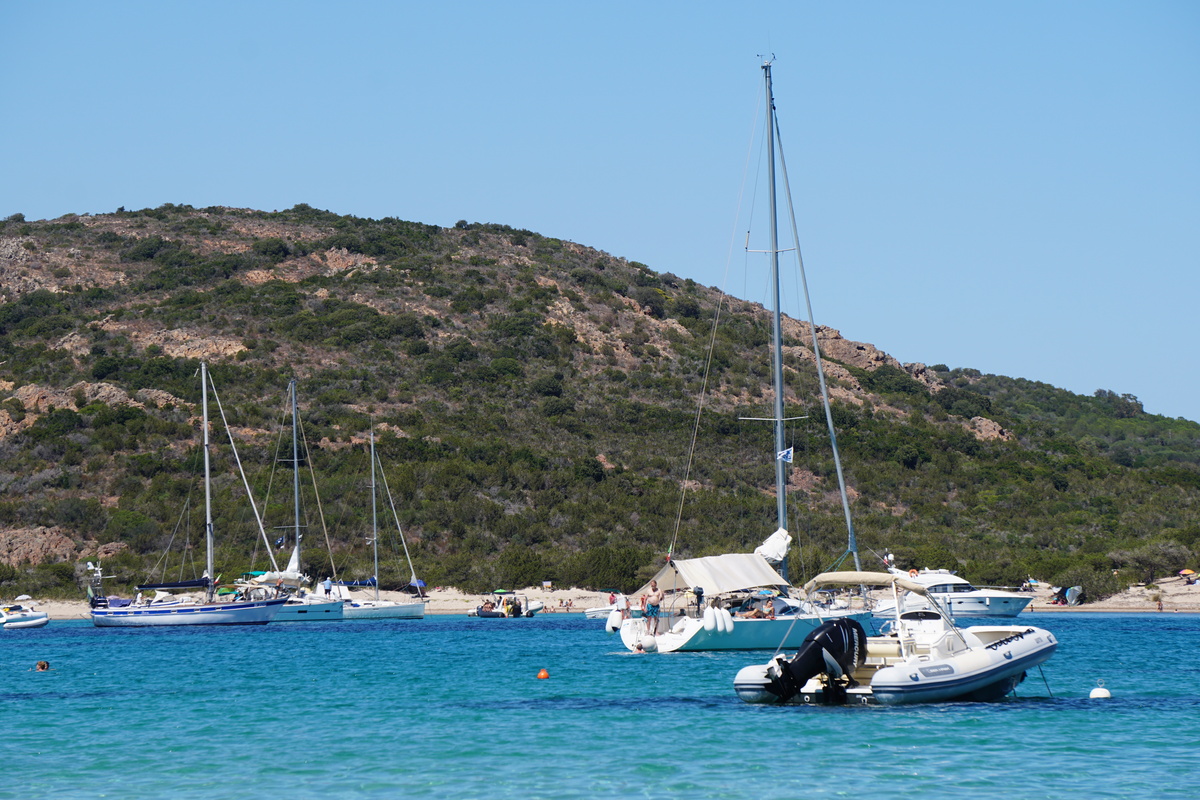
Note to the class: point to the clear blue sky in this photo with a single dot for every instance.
(1011, 186)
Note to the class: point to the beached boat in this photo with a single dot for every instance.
(733, 581)
(15, 616)
(112, 612)
(919, 657)
(377, 607)
(955, 595)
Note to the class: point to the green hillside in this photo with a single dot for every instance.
(534, 401)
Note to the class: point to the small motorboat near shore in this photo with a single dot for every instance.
(505, 603)
(15, 617)
(919, 657)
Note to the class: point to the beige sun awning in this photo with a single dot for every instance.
(733, 572)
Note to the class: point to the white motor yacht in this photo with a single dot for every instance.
(955, 595)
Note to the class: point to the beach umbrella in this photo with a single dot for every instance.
(1187, 572)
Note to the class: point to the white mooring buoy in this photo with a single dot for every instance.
(1100, 693)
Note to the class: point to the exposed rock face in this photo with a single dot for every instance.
(25, 268)
(294, 270)
(42, 545)
(39, 400)
(924, 375)
(103, 551)
(856, 354)
(35, 546)
(985, 429)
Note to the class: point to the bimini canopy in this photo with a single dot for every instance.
(863, 579)
(733, 572)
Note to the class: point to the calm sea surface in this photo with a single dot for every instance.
(451, 707)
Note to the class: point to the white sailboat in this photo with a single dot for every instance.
(919, 655)
(301, 605)
(377, 607)
(110, 612)
(747, 579)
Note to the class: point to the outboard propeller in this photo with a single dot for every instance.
(835, 648)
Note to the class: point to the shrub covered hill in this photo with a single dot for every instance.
(534, 402)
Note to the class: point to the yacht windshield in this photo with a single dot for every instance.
(951, 588)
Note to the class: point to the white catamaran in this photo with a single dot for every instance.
(122, 613)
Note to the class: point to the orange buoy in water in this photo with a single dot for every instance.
(543, 675)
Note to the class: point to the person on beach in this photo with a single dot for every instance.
(653, 601)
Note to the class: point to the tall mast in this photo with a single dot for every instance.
(777, 316)
(295, 473)
(374, 527)
(208, 522)
(852, 543)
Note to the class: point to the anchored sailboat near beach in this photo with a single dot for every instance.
(302, 605)
(377, 607)
(117, 612)
(765, 615)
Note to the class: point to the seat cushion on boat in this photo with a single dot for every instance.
(883, 648)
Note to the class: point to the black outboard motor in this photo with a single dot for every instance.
(836, 648)
(699, 592)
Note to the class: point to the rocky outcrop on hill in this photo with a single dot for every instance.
(39, 545)
(50, 545)
(37, 400)
(986, 429)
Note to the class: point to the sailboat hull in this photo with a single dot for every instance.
(371, 609)
(258, 612)
(330, 611)
(690, 635)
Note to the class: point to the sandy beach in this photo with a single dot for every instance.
(1176, 596)
(439, 601)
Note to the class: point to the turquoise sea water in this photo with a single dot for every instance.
(451, 707)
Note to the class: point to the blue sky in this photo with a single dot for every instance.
(1010, 186)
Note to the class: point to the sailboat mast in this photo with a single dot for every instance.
(777, 326)
(295, 471)
(852, 543)
(374, 526)
(208, 522)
